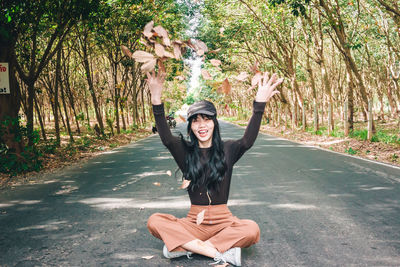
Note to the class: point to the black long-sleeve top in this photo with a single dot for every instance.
(234, 149)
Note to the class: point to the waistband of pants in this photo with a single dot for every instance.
(213, 213)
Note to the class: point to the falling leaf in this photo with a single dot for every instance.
(160, 31)
(126, 51)
(200, 217)
(200, 52)
(147, 29)
(159, 49)
(202, 45)
(215, 62)
(157, 183)
(180, 77)
(169, 173)
(147, 257)
(142, 56)
(144, 42)
(215, 51)
(190, 44)
(256, 78)
(242, 76)
(149, 66)
(166, 40)
(254, 68)
(185, 184)
(226, 86)
(182, 118)
(168, 54)
(206, 75)
(177, 51)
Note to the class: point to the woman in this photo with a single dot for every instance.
(206, 161)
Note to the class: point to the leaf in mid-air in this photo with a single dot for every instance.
(149, 65)
(200, 217)
(215, 62)
(126, 51)
(206, 75)
(142, 56)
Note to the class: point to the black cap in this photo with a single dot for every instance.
(201, 107)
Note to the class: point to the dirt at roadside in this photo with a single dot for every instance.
(378, 151)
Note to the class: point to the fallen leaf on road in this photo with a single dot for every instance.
(157, 183)
(169, 173)
(200, 217)
(147, 257)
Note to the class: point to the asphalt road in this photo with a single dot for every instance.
(314, 208)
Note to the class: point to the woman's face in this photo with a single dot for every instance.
(203, 128)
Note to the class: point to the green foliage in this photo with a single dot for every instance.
(297, 6)
(84, 142)
(12, 162)
(350, 151)
(49, 147)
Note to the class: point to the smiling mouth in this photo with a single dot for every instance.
(203, 133)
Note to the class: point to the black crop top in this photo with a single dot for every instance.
(234, 149)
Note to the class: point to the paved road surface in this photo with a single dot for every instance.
(314, 208)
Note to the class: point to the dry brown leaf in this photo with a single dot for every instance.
(159, 49)
(215, 51)
(147, 257)
(149, 65)
(200, 52)
(144, 42)
(168, 54)
(180, 77)
(242, 76)
(185, 184)
(166, 41)
(126, 51)
(190, 44)
(147, 29)
(169, 173)
(202, 45)
(142, 56)
(157, 183)
(254, 68)
(200, 217)
(182, 118)
(161, 31)
(256, 78)
(206, 75)
(177, 51)
(226, 86)
(215, 62)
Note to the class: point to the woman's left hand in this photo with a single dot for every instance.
(266, 87)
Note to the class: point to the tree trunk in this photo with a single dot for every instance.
(91, 86)
(40, 120)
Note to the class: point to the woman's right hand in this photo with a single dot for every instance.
(155, 83)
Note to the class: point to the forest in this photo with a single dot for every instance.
(71, 82)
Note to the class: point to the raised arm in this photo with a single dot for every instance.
(266, 90)
(173, 143)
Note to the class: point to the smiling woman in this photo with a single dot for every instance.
(206, 162)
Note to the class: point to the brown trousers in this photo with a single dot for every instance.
(219, 227)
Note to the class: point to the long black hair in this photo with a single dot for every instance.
(216, 164)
